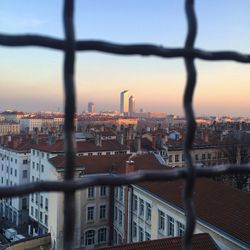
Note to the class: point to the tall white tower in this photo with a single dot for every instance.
(131, 105)
(91, 107)
(124, 102)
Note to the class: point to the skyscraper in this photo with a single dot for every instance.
(91, 107)
(124, 102)
(131, 105)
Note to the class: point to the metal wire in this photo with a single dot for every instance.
(69, 93)
(191, 126)
(189, 173)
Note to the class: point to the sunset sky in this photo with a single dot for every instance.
(31, 78)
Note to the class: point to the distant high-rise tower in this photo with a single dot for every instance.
(91, 107)
(131, 105)
(124, 102)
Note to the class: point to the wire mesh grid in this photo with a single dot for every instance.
(69, 46)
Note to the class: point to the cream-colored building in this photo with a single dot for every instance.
(7, 128)
(154, 210)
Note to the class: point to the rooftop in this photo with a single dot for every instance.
(199, 242)
(82, 146)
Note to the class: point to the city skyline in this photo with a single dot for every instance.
(222, 87)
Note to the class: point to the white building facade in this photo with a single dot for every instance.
(15, 168)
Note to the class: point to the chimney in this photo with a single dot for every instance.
(130, 166)
(121, 138)
(153, 141)
(5, 140)
(15, 142)
(98, 140)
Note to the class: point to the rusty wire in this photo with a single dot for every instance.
(69, 45)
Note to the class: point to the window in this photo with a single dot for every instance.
(42, 168)
(103, 191)
(180, 229)
(36, 198)
(41, 216)
(90, 213)
(41, 201)
(10, 171)
(91, 192)
(119, 217)
(46, 219)
(134, 229)
(176, 158)
(115, 214)
(196, 157)
(36, 214)
(135, 203)
(25, 161)
(141, 234)
(161, 220)
(120, 194)
(103, 212)
(90, 237)
(147, 236)
(115, 237)
(116, 192)
(119, 239)
(102, 235)
(33, 165)
(209, 156)
(46, 203)
(15, 173)
(16, 161)
(183, 157)
(25, 173)
(32, 211)
(170, 226)
(203, 156)
(141, 205)
(148, 211)
(24, 203)
(170, 158)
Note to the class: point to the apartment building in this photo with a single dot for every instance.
(206, 155)
(150, 211)
(41, 169)
(134, 213)
(14, 170)
(7, 128)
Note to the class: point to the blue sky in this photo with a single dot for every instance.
(157, 84)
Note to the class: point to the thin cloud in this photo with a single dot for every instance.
(21, 23)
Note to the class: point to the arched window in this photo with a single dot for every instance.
(90, 237)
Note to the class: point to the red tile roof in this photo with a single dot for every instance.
(82, 146)
(199, 242)
(216, 204)
(104, 163)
